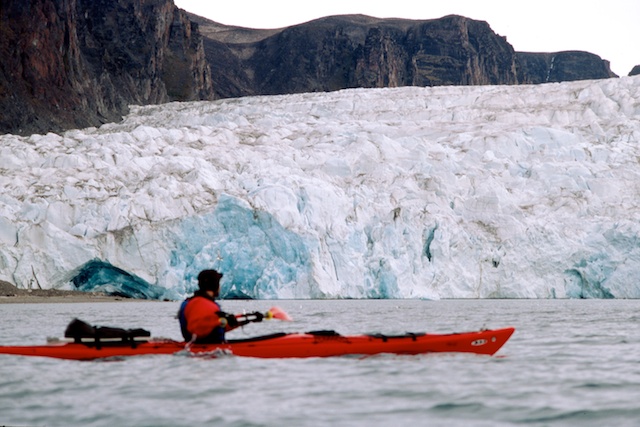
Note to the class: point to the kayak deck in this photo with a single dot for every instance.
(281, 345)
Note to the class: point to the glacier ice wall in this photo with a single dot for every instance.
(446, 192)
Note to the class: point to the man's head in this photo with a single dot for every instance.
(209, 280)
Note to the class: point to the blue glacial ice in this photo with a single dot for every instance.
(258, 257)
(100, 276)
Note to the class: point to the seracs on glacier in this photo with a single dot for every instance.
(444, 192)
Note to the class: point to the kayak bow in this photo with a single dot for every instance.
(281, 345)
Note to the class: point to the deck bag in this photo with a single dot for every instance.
(82, 332)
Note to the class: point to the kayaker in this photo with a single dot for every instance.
(201, 319)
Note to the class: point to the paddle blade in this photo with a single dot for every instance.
(278, 313)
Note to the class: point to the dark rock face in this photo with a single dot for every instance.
(635, 71)
(562, 66)
(75, 63)
(359, 51)
(458, 51)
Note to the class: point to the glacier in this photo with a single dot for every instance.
(442, 192)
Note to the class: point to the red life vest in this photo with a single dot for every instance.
(199, 316)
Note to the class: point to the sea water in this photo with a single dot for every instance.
(570, 362)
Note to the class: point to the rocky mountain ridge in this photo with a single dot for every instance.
(72, 63)
(350, 51)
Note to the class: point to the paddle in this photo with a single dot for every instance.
(278, 313)
(244, 319)
(273, 313)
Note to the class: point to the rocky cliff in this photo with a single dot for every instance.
(73, 63)
(360, 51)
(357, 51)
(562, 66)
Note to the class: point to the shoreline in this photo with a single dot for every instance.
(44, 299)
(10, 294)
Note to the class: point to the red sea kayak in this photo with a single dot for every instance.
(281, 345)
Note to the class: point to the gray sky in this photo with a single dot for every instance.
(609, 28)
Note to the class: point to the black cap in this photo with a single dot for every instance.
(209, 280)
